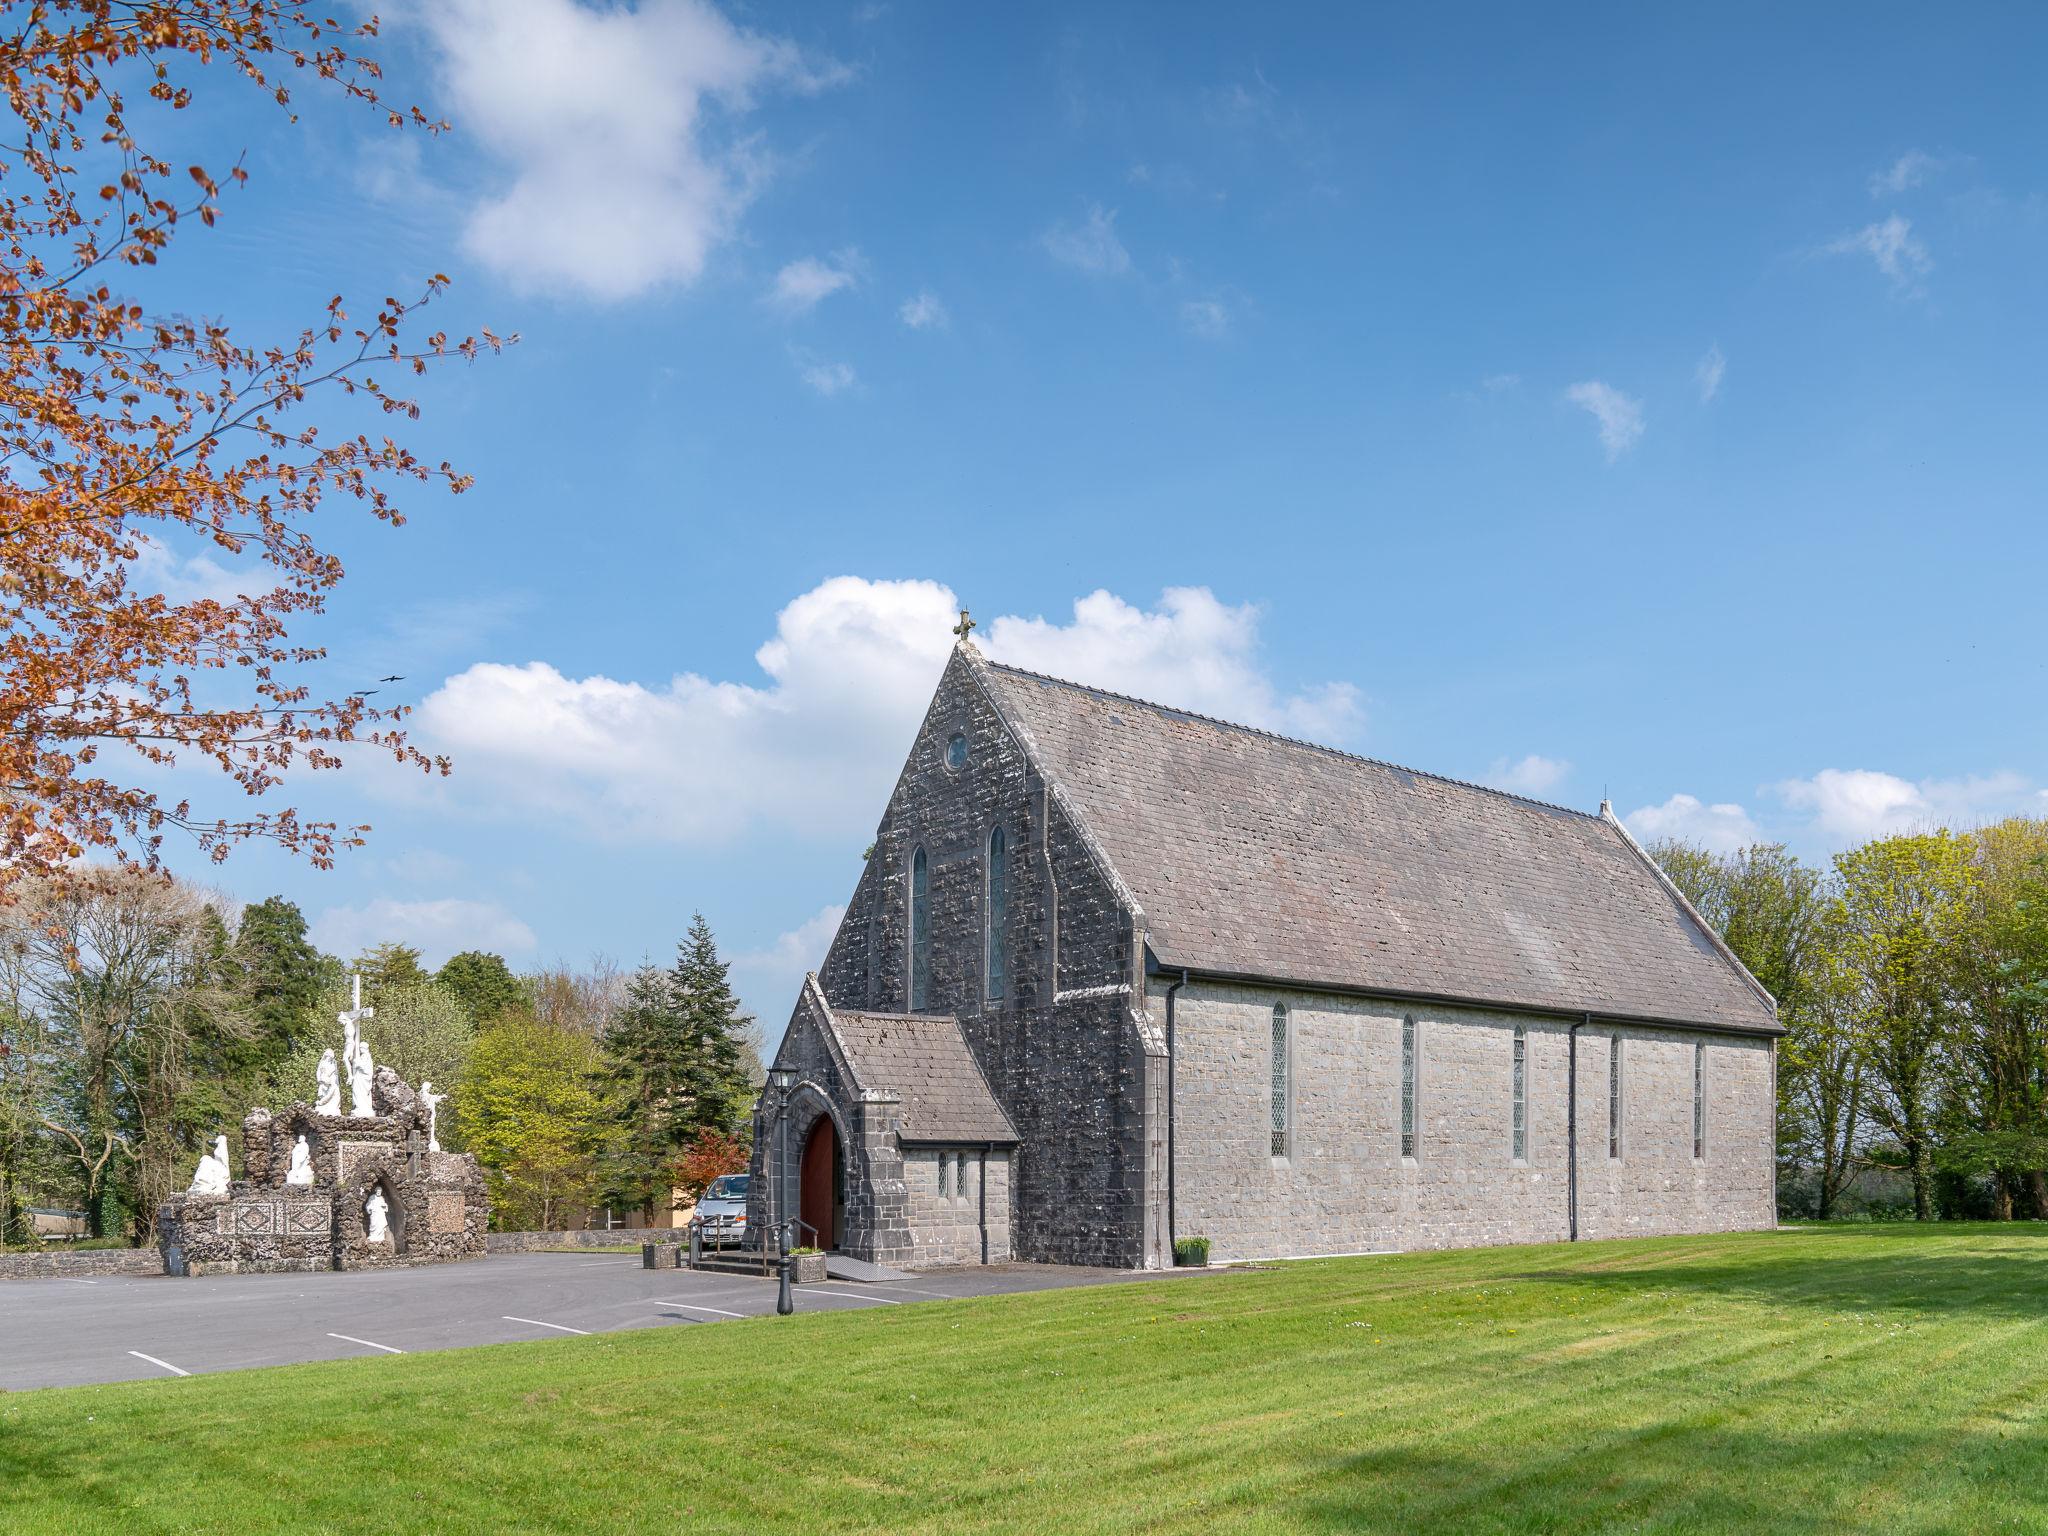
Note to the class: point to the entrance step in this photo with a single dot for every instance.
(840, 1267)
(741, 1261)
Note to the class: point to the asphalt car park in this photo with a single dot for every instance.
(72, 1332)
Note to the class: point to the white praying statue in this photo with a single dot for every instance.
(212, 1177)
(433, 1101)
(328, 1080)
(301, 1170)
(376, 1210)
(359, 1070)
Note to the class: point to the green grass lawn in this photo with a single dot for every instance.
(1851, 1378)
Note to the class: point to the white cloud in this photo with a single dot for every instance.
(1707, 374)
(1193, 652)
(767, 979)
(1091, 246)
(1722, 828)
(827, 378)
(1903, 174)
(1852, 805)
(1494, 383)
(1206, 318)
(619, 132)
(801, 285)
(922, 311)
(192, 578)
(437, 929)
(815, 748)
(1531, 775)
(1620, 418)
(1891, 243)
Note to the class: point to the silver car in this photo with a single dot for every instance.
(723, 1210)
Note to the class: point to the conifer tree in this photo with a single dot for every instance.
(677, 1061)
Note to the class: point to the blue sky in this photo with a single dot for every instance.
(1591, 401)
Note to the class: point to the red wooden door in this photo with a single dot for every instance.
(816, 1193)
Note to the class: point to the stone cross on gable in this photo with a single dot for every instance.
(961, 629)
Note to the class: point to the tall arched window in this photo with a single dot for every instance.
(1521, 1092)
(920, 932)
(1699, 1099)
(1408, 1087)
(998, 909)
(1279, 1079)
(1614, 1097)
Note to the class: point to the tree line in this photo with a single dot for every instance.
(1912, 979)
(141, 1016)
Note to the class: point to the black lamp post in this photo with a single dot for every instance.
(782, 1079)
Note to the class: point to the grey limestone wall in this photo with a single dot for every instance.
(876, 1216)
(1072, 1071)
(1343, 1184)
(946, 1212)
(59, 1262)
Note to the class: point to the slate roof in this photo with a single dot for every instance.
(1256, 855)
(924, 1060)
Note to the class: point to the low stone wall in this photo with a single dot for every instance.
(596, 1237)
(56, 1263)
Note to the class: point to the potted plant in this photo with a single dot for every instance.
(809, 1267)
(1190, 1252)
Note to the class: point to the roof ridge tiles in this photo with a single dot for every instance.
(1292, 741)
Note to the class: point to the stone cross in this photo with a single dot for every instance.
(415, 1144)
(964, 625)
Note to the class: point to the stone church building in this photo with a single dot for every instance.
(1116, 973)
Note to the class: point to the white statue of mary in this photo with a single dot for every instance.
(376, 1210)
(360, 1068)
(301, 1171)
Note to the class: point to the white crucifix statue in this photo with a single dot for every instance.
(355, 1051)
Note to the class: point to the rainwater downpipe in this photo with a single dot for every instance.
(1571, 1165)
(1172, 1233)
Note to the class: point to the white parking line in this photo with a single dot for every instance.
(152, 1359)
(76, 1280)
(534, 1322)
(688, 1306)
(349, 1338)
(880, 1301)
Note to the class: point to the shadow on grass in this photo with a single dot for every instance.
(1676, 1477)
(1975, 1270)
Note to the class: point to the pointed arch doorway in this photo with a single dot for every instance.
(821, 1185)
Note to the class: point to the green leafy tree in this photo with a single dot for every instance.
(535, 1120)
(481, 983)
(1995, 1100)
(1773, 911)
(1900, 908)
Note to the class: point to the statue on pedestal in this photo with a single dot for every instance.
(328, 1078)
(212, 1177)
(375, 1211)
(433, 1102)
(301, 1170)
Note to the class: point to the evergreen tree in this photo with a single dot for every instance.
(279, 975)
(678, 1063)
(716, 1083)
(390, 965)
(482, 983)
